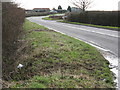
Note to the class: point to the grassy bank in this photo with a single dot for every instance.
(54, 60)
(98, 26)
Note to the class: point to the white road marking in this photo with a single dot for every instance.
(91, 31)
(94, 31)
(114, 70)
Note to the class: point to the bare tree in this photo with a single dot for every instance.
(82, 4)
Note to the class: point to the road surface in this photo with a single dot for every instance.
(103, 38)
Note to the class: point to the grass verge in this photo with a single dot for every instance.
(98, 26)
(48, 18)
(55, 60)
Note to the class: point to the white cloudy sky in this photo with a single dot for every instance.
(96, 5)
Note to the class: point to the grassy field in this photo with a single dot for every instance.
(98, 26)
(54, 60)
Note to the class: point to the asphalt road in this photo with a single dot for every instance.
(102, 38)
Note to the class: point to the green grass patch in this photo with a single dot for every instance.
(32, 26)
(60, 61)
(99, 26)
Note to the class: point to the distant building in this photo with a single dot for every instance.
(28, 11)
(75, 9)
(41, 9)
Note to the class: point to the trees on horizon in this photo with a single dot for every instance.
(59, 7)
(69, 9)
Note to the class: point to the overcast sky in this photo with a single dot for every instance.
(108, 5)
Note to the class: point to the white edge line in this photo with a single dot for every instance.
(93, 31)
(78, 38)
(90, 43)
(100, 48)
(87, 30)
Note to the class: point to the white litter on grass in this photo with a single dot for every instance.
(20, 66)
(108, 55)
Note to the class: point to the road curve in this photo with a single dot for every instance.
(103, 38)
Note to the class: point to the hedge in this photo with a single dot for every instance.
(105, 18)
(12, 20)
